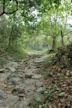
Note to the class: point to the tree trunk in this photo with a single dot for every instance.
(10, 40)
(62, 40)
(54, 43)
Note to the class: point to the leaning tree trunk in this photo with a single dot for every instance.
(62, 40)
(54, 43)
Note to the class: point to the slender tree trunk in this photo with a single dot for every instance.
(9, 44)
(54, 43)
(10, 39)
(62, 40)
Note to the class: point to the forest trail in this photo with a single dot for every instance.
(20, 82)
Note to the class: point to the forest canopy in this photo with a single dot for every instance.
(49, 18)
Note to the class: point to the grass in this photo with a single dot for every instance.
(17, 53)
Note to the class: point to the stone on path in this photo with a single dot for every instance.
(2, 95)
(7, 100)
(12, 66)
(36, 76)
(2, 70)
(28, 75)
(23, 82)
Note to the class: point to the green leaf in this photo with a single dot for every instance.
(62, 94)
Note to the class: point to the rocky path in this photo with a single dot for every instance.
(20, 82)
